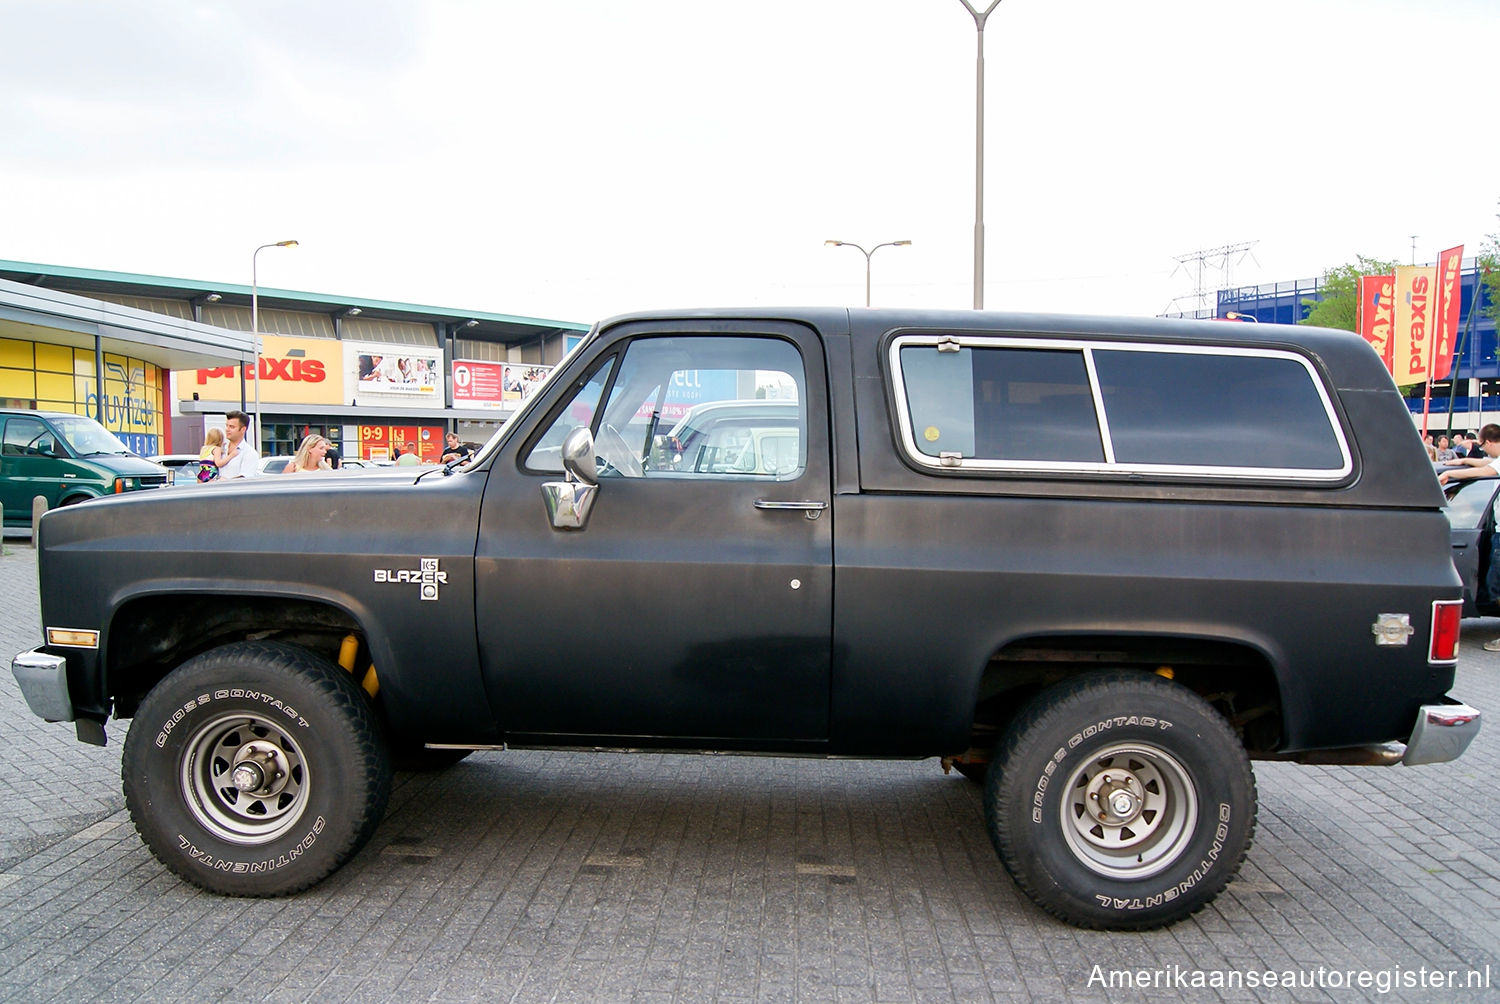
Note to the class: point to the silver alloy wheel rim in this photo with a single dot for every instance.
(1129, 811)
(244, 750)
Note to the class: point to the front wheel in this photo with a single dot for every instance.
(255, 769)
(1121, 801)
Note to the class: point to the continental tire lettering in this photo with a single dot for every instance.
(1221, 834)
(1144, 721)
(215, 863)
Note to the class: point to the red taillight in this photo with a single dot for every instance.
(1445, 615)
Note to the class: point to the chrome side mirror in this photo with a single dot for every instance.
(568, 502)
(578, 456)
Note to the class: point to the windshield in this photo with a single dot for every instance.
(1467, 501)
(87, 436)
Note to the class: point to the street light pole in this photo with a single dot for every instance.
(868, 255)
(979, 19)
(255, 325)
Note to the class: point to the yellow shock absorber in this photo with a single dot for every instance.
(347, 652)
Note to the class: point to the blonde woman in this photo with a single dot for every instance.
(309, 456)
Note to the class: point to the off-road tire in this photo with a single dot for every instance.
(1120, 800)
(263, 711)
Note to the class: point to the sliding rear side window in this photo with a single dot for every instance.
(1027, 404)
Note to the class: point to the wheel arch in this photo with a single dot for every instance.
(156, 627)
(1238, 676)
(74, 495)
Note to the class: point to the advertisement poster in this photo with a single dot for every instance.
(522, 380)
(478, 384)
(385, 442)
(375, 373)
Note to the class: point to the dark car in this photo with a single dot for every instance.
(1100, 563)
(1471, 514)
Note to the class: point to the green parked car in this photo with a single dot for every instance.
(65, 459)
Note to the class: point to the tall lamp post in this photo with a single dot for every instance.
(255, 326)
(868, 254)
(979, 18)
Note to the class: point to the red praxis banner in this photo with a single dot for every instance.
(1445, 316)
(1376, 296)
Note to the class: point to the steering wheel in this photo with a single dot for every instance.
(612, 447)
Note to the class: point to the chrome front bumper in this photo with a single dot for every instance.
(43, 679)
(1442, 733)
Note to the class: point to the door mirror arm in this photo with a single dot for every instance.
(569, 502)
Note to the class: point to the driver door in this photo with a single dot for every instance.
(688, 610)
(1471, 518)
(29, 466)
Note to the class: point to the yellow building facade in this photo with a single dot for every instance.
(51, 377)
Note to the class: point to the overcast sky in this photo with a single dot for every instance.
(576, 159)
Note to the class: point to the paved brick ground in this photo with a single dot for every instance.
(563, 877)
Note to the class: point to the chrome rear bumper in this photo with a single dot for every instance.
(1442, 733)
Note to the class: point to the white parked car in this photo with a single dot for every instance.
(182, 468)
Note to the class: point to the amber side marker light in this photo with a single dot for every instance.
(73, 637)
(1445, 617)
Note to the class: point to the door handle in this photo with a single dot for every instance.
(810, 508)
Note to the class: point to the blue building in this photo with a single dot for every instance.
(1473, 388)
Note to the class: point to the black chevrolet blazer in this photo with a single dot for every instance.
(1097, 564)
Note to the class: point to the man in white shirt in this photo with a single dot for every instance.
(241, 459)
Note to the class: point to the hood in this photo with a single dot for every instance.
(127, 464)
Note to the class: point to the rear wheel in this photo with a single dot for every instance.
(255, 769)
(1121, 801)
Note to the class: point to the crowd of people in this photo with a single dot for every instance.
(231, 456)
(1466, 456)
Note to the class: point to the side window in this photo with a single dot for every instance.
(546, 453)
(695, 406)
(1017, 403)
(24, 436)
(1215, 410)
(1005, 404)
